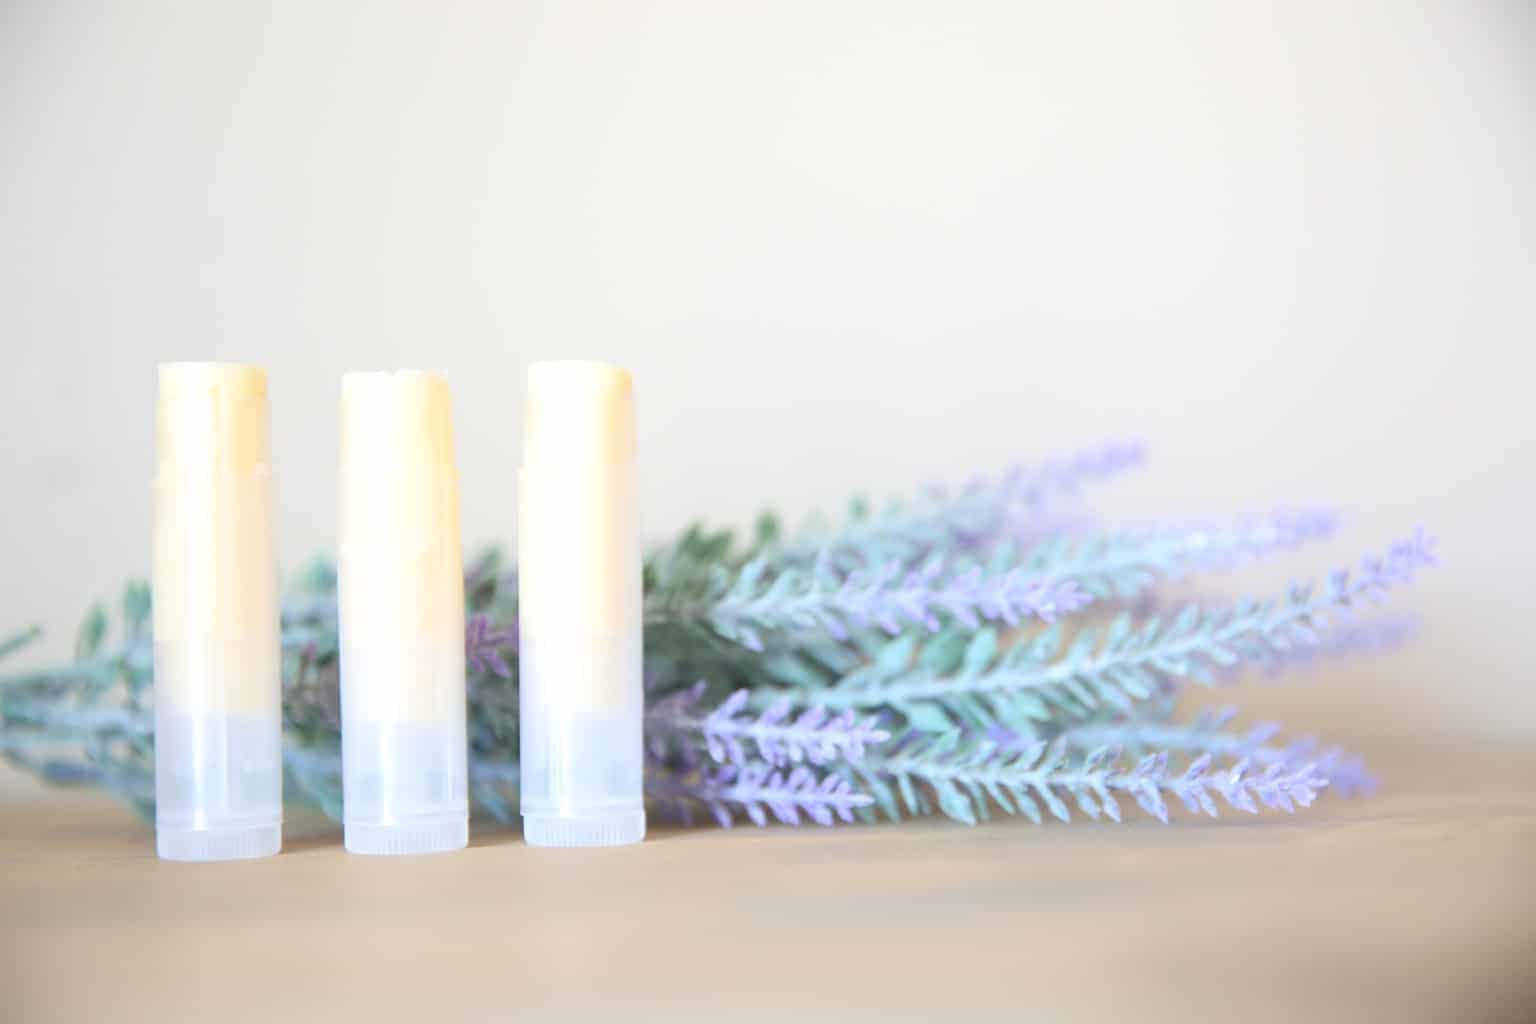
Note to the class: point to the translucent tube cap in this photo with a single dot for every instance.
(211, 844)
(218, 785)
(405, 839)
(598, 830)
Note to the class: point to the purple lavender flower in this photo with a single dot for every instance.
(778, 735)
(1378, 575)
(1280, 787)
(484, 644)
(1054, 580)
(1114, 668)
(968, 780)
(975, 516)
(889, 599)
(1345, 773)
(757, 791)
(1124, 564)
(1346, 640)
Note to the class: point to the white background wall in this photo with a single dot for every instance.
(842, 245)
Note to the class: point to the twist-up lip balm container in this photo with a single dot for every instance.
(218, 675)
(401, 587)
(579, 625)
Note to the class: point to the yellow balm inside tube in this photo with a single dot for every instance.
(579, 615)
(218, 682)
(401, 583)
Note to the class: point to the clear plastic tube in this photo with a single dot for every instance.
(218, 682)
(579, 650)
(401, 587)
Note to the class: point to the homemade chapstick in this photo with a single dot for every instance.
(401, 587)
(218, 676)
(579, 649)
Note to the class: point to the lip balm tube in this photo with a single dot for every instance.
(401, 589)
(579, 645)
(218, 676)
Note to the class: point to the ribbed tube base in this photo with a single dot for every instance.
(407, 838)
(607, 830)
(208, 844)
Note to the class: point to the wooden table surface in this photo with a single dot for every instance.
(1415, 904)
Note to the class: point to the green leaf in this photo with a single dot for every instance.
(718, 545)
(768, 529)
(136, 606)
(885, 799)
(1078, 689)
(1001, 798)
(1052, 801)
(12, 644)
(92, 631)
(748, 579)
(1118, 631)
(941, 656)
(319, 576)
(1045, 646)
(896, 656)
(486, 563)
(978, 799)
(1134, 681)
(1027, 804)
(489, 798)
(953, 802)
(972, 712)
(1032, 706)
(927, 717)
(980, 653)
(1110, 694)
(792, 669)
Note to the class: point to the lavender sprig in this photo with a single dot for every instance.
(838, 604)
(758, 791)
(777, 736)
(1055, 579)
(38, 724)
(1126, 563)
(968, 680)
(1346, 773)
(976, 516)
(1348, 639)
(965, 781)
(485, 645)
